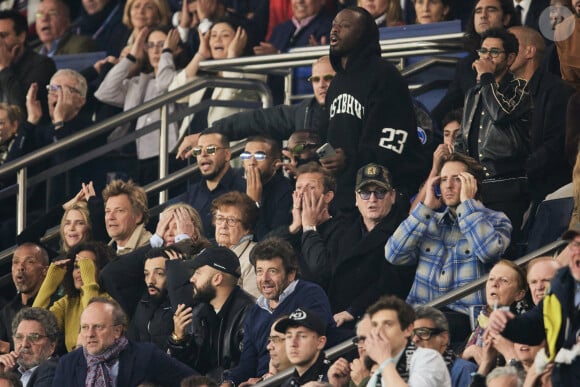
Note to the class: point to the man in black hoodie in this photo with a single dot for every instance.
(371, 111)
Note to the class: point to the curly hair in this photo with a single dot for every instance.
(103, 254)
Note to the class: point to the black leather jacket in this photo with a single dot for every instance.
(502, 112)
(215, 341)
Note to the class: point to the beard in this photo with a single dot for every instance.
(204, 293)
(218, 169)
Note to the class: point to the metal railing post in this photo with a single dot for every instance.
(163, 151)
(21, 200)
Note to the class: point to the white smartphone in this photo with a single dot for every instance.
(326, 150)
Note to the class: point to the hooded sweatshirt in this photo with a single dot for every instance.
(371, 118)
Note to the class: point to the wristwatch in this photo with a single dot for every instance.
(308, 228)
(176, 339)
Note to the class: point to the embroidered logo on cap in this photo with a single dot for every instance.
(298, 314)
(372, 171)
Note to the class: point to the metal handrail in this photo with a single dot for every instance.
(20, 165)
(446, 299)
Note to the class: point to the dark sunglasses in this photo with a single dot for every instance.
(425, 333)
(366, 194)
(316, 78)
(210, 149)
(259, 156)
(299, 148)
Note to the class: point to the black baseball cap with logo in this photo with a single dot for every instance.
(374, 174)
(220, 258)
(302, 317)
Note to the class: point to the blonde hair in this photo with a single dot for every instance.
(137, 196)
(84, 211)
(394, 12)
(163, 13)
(14, 112)
(193, 214)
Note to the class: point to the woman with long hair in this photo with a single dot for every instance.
(77, 273)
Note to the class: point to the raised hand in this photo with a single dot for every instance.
(33, 104)
(468, 186)
(431, 199)
(188, 143)
(238, 43)
(181, 319)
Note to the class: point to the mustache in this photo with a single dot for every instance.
(154, 287)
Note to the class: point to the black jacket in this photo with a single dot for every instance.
(316, 373)
(350, 263)
(547, 167)
(152, 321)
(371, 117)
(497, 119)
(278, 122)
(215, 341)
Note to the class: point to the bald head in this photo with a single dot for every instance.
(531, 52)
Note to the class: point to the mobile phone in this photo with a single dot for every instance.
(437, 191)
(326, 150)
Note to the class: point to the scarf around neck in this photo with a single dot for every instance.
(99, 366)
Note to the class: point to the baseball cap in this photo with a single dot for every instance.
(375, 174)
(572, 232)
(302, 317)
(220, 258)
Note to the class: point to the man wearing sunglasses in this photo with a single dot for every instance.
(431, 330)
(496, 126)
(271, 191)
(278, 122)
(217, 176)
(345, 255)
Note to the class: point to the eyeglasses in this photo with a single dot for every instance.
(316, 79)
(50, 14)
(275, 339)
(219, 220)
(299, 148)
(259, 156)
(54, 88)
(426, 333)
(31, 337)
(366, 195)
(210, 150)
(359, 341)
(152, 45)
(494, 52)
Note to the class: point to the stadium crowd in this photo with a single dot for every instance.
(340, 221)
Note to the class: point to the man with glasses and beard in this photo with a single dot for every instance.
(217, 177)
(271, 191)
(35, 332)
(208, 335)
